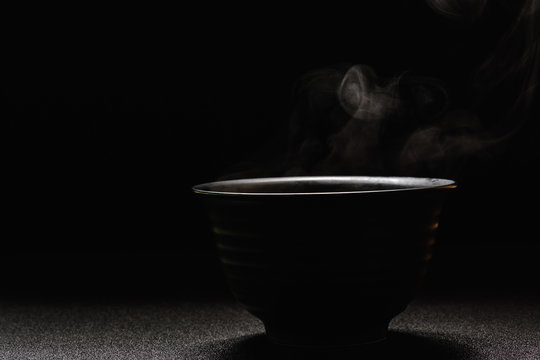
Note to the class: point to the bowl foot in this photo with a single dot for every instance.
(327, 336)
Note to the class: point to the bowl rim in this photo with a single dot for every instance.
(430, 184)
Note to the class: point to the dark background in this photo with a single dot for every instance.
(109, 116)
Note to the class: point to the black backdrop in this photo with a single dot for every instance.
(110, 116)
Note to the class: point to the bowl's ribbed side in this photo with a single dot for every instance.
(325, 252)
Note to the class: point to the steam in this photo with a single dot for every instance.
(513, 64)
(348, 120)
(370, 103)
(379, 126)
(515, 61)
(466, 11)
(441, 149)
(363, 99)
(360, 123)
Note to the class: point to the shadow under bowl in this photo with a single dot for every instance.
(325, 261)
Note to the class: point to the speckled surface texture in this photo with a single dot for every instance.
(487, 326)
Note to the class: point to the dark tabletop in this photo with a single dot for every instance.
(446, 325)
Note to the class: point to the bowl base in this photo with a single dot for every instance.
(327, 337)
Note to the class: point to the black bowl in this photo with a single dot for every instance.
(325, 261)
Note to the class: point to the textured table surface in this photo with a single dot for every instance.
(486, 326)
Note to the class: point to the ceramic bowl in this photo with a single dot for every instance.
(325, 261)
